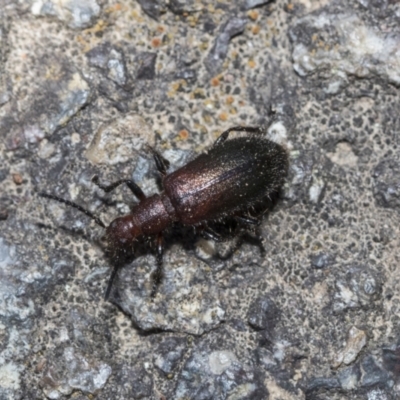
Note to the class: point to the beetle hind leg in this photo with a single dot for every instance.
(224, 135)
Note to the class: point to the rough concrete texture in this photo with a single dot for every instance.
(86, 86)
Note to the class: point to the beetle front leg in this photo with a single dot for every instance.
(135, 189)
(158, 274)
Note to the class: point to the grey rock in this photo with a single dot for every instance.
(349, 377)
(218, 52)
(74, 371)
(180, 7)
(263, 313)
(215, 372)
(391, 358)
(347, 49)
(72, 108)
(147, 65)
(372, 374)
(111, 61)
(387, 183)
(153, 8)
(77, 14)
(187, 301)
(322, 383)
(322, 260)
(169, 353)
(249, 4)
(359, 287)
(135, 383)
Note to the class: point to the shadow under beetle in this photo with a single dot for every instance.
(226, 181)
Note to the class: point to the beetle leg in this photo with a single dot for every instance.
(158, 274)
(224, 135)
(259, 241)
(255, 239)
(245, 219)
(237, 242)
(209, 233)
(135, 189)
(161, 163)
(111, 281)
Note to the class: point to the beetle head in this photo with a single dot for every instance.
(120, 237)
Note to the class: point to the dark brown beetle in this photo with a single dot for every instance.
(226, 181)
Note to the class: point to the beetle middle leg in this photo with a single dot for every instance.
(162, 164)
(209, 233)
(158, 273)
(135, 189)
(247, 230)
(111, 281)
(251, 224)
(247, 220)
(244, 236)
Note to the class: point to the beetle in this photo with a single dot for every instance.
(226, 181)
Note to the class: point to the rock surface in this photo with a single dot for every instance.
(86, 86)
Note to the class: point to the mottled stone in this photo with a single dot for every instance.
(119, 140)
(111, 61)
(215, 372)
(73, 371)
(339, 200)
(134, 382)
(357, 289)
(356, 340)
(187, 300)
(322, 260)
(346, 46)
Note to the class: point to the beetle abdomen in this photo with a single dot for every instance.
(230, 176)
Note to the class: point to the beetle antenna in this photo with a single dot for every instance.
(110, 282)
(74, 205)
